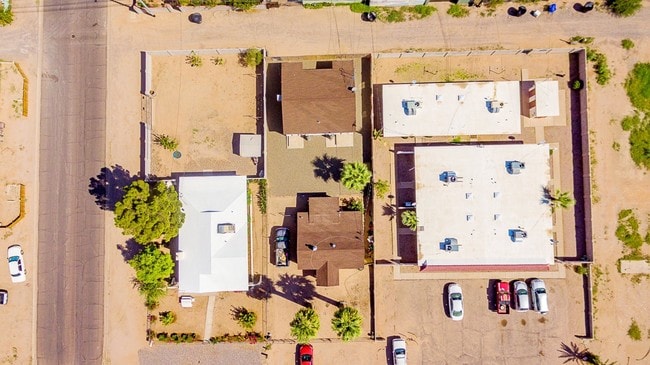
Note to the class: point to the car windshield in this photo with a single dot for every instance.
(306, 357)
(399, 352)
(522, 292)
(541, 290)
(14, 258)
(456, 296)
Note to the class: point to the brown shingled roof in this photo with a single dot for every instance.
(325, 224)
(318, 101)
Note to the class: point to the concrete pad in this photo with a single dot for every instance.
(635, 267)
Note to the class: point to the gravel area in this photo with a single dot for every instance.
(185, 354)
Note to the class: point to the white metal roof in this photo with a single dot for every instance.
(483, 204)
(451, 109)
(547, 98)
(209, 261)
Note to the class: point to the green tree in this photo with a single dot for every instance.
(6, 17)
(561, 199)
(410, 219)
(355, 175)
(624, 8)
(252, 57)
(305, 325)
(246, 318)
(353, 204)
(347, 323)
(149, 213)
(152, 265)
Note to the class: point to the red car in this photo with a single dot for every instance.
(306, 353)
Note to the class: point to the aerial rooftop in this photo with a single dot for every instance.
(451, 109)
(488, 198)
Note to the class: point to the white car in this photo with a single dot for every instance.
(521, 296)
(399, 351)
(540, 297)
(455, 297)
(16, 264)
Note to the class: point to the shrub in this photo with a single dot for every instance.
(637, 86)
(355, 175)
(640, 145)
(395, 16)
(576, 85)
(627, 230)
(634, 331)
(627, 44)
(165, 141)
(410, 219)
(361, 8)
(261, 195)
(381, 188)
(194, 60)
(603, 74)
(218, 61)
(624, 8)
(244, 5)
(581, 39)
(167, 318)
(245, 318)
(581, 270)
(6, 17)
(631, 122)
(354, 204)
(458, 11)
(422, 11)
(252, 57)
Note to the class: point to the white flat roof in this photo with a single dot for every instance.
(547, 95)
(483, 204)
(452, 109)
(209, 261)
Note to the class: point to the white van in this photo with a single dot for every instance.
(540, 297)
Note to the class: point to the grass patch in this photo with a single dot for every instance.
(458, 11)
(460, 75)
(627, 230)
(261, 195)
(395, 15)
(581, 39)
(597, 274)
(631, 122)
(637, 86)
(624, 8)
(627, 44)
(603, 73)
(634, 332)
(640, 142)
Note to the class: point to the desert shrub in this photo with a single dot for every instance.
(624, 8)
(627, 230)
(581, 270)
(194, 60)
(381, 188)
(581, 39)
(251, 57)
(6, 17)
(354, 204)
(458, 11)
(627, 44)
(640, 145)
(167, 318)
(165, 141)
(421, 11)
(262, 195)
(603, 73)
(637, 86)
(576, 85)
(634, 332)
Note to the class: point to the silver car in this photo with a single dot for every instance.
(521, 296)
(539, 295)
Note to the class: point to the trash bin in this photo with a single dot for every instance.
(587, 7)
(552, 8)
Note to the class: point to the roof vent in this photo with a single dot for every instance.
(226, 228)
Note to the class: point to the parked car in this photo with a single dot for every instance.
(4, 297)
(282, 246)
(540, 297)
(306, 354)
(521, 296)
(16, 265)
(399, 351)
(503, 297)
(455, 298)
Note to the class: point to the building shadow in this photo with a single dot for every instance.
(327, 167)
(108, 186)
(273, 89)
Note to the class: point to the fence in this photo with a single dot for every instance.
(478, 52)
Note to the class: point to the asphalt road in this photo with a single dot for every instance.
(70, 304)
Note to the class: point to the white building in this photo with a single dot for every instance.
(451, 109)
(483, 205)
(213, 242)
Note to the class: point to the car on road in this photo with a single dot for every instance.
(522, 301)
(455, 298)
(539, 295)
(4, 297)
(16, 264)
(306, 354)
(399, 351)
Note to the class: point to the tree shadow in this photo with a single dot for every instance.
(547, 195)
(108, 186)
(297, 289)
(236, 312)
(262, 291)
(389, 210)
(129, 249)
(328, 167)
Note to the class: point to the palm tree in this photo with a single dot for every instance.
(573, 353)
(561, 199)
(355, 175)
(245, 318)
(347, 323)
(410, 219)
(305, 325)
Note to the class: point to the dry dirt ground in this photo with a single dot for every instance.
(620, 183)
(18, 167)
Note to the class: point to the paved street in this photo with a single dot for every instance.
(72, 149)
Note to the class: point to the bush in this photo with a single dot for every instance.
(603, 74)
(640, 145)
(395, 16)
(252, 57)
(410, 219)
(218, 61)
(354, 204)
(165, 141)
(624, 8)
(261, 195)
(245, 318)
(244, 4)
(627, 230)
(581, 39)
(167, 318)
(576, 85)
(422, 11)
(637, 86)
(634, 331)
(631, 122)
(381, 188)
(194, 60)
(6, 17)
(581, 270)
(627, 44)
(458, 11)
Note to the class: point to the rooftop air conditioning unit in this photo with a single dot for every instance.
(410, 106)
(495, 106)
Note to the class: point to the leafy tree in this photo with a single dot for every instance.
(410, 219)
(246, 318)
(624, 8)
(347, 323)
(167, 318)
(381, 188)
(149, 213)
(561, 199)
(6, 17)
(355, 175)
(252, 57)
(637, 85)
(305, 325)
(152, 265)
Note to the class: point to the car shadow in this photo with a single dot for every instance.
(445, 294)
(389, 349)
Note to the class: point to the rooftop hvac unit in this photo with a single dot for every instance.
(410, 106)
(495, 106)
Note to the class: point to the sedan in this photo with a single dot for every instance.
(455, 297)
(399, 351)
(16, 265)
(521, 296)
(306, 353)
(540, 297)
